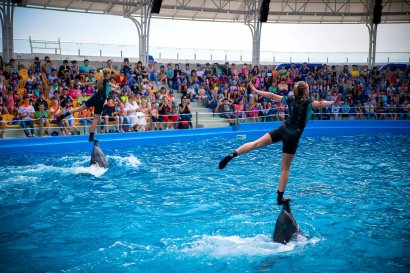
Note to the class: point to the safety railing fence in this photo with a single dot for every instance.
(43, 127)
(106, 51)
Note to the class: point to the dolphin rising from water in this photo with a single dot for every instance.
(286, 228)
(97, 156)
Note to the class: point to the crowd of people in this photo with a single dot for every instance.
(48, 91)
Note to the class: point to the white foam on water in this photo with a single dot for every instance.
(219, 246)
(18, 179)
(129, 161)
(94, 170)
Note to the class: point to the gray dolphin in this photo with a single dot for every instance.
(286, 228)
(97, 156)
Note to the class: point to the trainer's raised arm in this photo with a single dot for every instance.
(319, 104)
(266, 94)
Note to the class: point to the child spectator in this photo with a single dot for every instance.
(109, 113)
(154, 115)
(69, 121)
(42, 118)
(124, 121)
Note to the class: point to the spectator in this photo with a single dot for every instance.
(131, 107)
(86, 66)
(42, 117)
(26, 112)
(75, 69)
(2, 122)
(109, 113)
(125, 66)
(151, 70)
(154, 116)
(13, 67)
(162, 75)
(12, 100)
(185, 111)
(165, 112)
(109, 65)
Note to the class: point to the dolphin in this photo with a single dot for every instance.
(97, 156)
(286, 228)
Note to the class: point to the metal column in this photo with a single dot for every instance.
(372, 44)
(143, 24)
(6, 16)
(252, 21)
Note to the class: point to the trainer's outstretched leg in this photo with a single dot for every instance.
(249, 146)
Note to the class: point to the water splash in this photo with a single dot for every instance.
(219, 246)
(128, 161)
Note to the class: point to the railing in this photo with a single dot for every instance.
(105, 51)
(231, 118)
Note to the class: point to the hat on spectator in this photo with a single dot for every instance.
(55, 80)
(68, 100)
(91, 71)
(28, 83)
(126, 83)
(73, 61)
(207, 64)
(81, 71)
(11, 88)
(169, 64)
(226, 62)
(30, 72)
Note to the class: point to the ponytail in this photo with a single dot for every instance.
(101, 77)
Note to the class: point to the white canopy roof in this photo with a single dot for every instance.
(288, 11)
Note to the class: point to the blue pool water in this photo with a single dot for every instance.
(167, 208)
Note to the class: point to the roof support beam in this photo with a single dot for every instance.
(6, 17)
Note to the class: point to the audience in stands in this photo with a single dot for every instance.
(42, 92)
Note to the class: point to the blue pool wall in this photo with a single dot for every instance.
(22, 146)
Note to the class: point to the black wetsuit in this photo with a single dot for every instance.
(291, 130)
(98, 99)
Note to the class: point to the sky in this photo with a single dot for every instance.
(78, 27)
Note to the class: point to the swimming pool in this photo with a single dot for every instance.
(166, 208)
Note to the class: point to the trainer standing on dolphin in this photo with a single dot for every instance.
(97, 100)
(300, 108)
